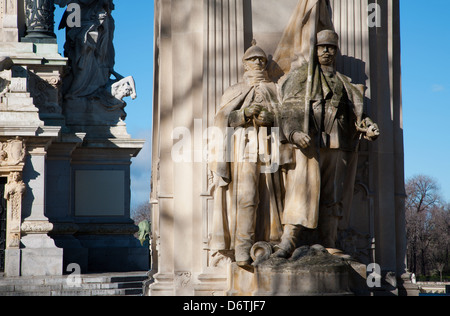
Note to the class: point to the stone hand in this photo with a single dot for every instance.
(252, 111)
(369, 129)
(265, 118)
(302, 140)
(372, 132)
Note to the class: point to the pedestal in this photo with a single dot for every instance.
(40, 256)
(101, 205)
(315, 273)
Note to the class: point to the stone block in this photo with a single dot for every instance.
(12, 262)
(321, 274)
(42, 262)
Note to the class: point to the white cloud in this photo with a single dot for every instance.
(437, 88)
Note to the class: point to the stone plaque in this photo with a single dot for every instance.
(99, 193)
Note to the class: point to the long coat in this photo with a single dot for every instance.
(303, 175)
(268, 222)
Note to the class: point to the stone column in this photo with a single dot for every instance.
(40, 21)
(388, 162)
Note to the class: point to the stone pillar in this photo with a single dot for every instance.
(388, 160)
(40, 256)
(59, 206)
(188, 32)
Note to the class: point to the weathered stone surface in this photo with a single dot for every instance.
(315, 272)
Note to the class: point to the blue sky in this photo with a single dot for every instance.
(425, 34)
(425, 79)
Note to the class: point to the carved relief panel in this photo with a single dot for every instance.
(12, 152)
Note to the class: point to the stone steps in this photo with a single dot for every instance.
(108, 284)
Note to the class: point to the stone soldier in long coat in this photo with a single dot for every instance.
(315, 179)
(247, 109)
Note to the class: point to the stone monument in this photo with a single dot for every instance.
(64, 150)
(326, 125)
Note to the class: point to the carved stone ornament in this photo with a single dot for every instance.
(36, 227)
(12, 152)
(5, 64)
(14, 191)
(182, 279)
(46, 92)
(14, 241)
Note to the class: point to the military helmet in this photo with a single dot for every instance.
(254, 51)
(328, 37)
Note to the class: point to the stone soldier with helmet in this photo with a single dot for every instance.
(247, 108)
(323, 145)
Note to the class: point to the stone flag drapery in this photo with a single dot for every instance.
(298, 40)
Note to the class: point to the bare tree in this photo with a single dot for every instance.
(423, 224)
(141, 213)
(440, 239)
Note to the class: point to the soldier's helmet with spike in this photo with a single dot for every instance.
(254, 51)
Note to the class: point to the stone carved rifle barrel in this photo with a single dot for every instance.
(260, 252)
(40, 19)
